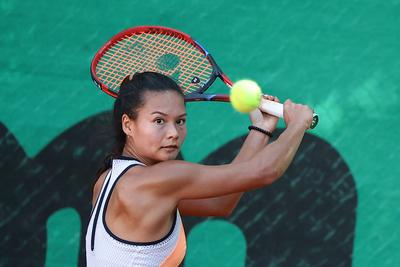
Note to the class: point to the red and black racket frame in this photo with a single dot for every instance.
(197, 95)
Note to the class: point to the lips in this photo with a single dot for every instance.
(171, 147)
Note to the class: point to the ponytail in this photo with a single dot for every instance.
(119, 139)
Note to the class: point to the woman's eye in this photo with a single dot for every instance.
(181, 122)
(159, 121)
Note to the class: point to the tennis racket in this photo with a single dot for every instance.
(167, 51)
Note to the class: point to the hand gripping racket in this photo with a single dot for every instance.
(167, 51)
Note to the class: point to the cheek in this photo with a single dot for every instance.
(182, 134)
(154, 136)
(149, 135)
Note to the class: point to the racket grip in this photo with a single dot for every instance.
(276, 109)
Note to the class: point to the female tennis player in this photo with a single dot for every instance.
(142, 191)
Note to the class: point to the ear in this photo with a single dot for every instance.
(127, 125)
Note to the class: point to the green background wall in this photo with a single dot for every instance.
(341, 57)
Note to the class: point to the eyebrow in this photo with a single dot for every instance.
(162, 113)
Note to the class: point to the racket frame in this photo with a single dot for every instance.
(197, 95)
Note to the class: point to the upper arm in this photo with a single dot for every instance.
(201, 207)
(185, 180)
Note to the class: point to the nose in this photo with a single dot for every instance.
(172, 131)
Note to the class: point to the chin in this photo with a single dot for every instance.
(169, 156)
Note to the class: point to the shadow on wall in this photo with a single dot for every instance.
(307, 218)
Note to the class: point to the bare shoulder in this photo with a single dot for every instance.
(139, 188)
(143, 178)
(158, 172)
(154, 180)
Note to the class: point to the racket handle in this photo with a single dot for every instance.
(276, 109)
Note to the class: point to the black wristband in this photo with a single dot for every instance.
(251, 127)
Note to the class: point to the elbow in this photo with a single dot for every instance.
(270, 174)
(226, 213)
(278, 171)
(223, 212)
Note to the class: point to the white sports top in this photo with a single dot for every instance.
(103, 248)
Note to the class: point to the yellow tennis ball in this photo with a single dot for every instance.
(245, 96)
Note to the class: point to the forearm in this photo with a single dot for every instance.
(281, 152)
(254, 142)
(224, 205)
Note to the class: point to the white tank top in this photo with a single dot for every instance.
(103, 248)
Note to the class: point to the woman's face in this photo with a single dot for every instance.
(159, 130)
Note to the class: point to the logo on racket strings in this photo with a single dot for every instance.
(168, 62)
(196, 80)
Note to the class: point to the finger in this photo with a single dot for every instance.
(269, 97)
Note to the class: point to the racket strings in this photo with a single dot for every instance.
(112, 66)
(192, 59)
(162, 53)
(190, 55)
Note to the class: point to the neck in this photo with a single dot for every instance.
(130, 152)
